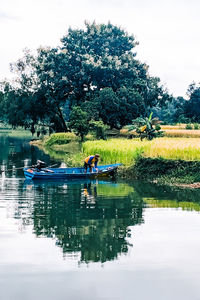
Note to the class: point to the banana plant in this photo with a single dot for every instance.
(146, 128)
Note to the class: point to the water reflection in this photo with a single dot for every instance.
(168, 196)
(89, 219)
(16, 152)
(83, 219)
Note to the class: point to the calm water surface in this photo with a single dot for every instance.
(94, 239)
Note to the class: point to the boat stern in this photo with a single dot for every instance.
(29, 173)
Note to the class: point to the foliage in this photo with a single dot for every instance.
(192, 107)
(188, 126)
(146, 127)
(115, 150)
(117, 108)
(99, 129)
(172, 111)
(94, 68)
(79, 122)
(126, 151)
(170, 170)
(60, 138)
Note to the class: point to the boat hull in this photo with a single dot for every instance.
(70, 173)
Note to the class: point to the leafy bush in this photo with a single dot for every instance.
(146, 128)
(196, 126)
(148, 168)
(188, 126)
(99, 129)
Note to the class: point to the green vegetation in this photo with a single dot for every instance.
(17, 133)
(188, 126)
(118, 190)
(146, 128)
(93, 83)
(127, 151)
(167, 171)
(60, 138)
(164, 160)
(99, 129)
(79, 122)
(169, 160)
(184, 205)
(115, 150)
(95, 69)
(196, 126)
(93, 76)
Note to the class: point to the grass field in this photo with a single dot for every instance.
(126, 151)
(182, 133)
(171, 127)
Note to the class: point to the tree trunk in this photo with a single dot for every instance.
(62, 119)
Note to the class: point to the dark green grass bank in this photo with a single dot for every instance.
(163, 171)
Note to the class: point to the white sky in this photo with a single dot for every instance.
(168, 31)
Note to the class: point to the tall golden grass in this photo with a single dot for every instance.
(171, 127)
(126, 151)
(181, 133)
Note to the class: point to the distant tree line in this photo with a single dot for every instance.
(180, 110)
(93, 76)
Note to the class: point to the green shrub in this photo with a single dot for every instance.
(196, 126)
(188, 126)
(99, 129)
(149, 169)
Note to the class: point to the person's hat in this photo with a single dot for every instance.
(97, 155)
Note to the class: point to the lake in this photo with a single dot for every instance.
(108, 239)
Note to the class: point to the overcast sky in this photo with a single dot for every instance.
(168, 31)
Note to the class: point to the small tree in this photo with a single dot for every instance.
(99, 129)
(79, 122)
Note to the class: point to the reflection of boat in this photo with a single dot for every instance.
(69, 173)
(61, 182)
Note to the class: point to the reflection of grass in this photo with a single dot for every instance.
(70, 153)
(66, 148)
(18, 133)
(172, 204)
(5, 127)
(119, 190)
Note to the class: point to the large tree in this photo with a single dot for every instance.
(116, 108)
(90, 63)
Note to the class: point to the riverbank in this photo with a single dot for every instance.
(162, 171)
(171, 161)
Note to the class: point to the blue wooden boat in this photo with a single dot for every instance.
(70, 173)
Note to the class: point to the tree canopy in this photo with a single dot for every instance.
(94, 68)
(192, 106)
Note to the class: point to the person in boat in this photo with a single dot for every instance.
(91, 161)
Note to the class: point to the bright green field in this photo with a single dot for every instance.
(126, 151)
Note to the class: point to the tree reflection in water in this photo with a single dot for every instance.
(90, 219)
